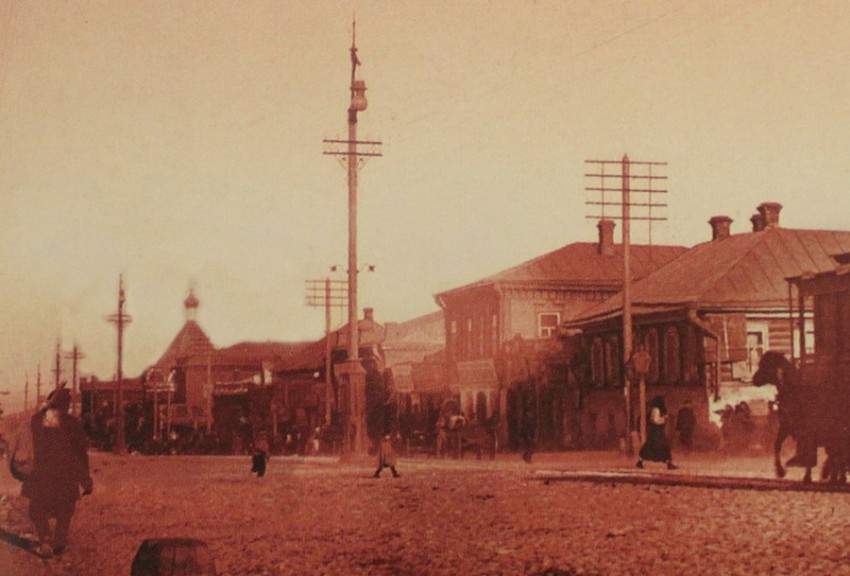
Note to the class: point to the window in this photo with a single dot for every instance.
(597, 362)
(755, 349)
(481, 335)
(612, 361)
(672, 356)
(652, 349)
(494, 334)
(547, 324)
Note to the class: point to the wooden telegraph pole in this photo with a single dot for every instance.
(57, 365)
(327, 293)
(38, 388)
(120, 319)
(354, 157)
(75, 356)
(623, 174)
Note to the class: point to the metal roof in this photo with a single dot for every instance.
(190, 341)
(581, 265)
(743, 271)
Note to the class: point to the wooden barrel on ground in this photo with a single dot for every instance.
(173, 557)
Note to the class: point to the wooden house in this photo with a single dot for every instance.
(705, 319)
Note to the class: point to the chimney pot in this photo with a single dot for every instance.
(720, 227)
(769, 212)
(606, 237)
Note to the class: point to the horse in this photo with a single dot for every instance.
(457, 435)
(480, 438)
(797, 414)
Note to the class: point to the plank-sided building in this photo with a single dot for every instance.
(828, 293)
(496, 328)
(705, 319)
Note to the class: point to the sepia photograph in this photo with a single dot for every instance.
(489, 287)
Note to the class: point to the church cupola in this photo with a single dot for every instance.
(191, 305)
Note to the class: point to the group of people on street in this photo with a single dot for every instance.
(737, 427)
(59, 474)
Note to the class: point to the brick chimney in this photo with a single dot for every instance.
(769, 212)
(606, 237)
(758, 222)
(720, 227)
(369, 314)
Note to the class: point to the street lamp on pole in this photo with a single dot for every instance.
(356, 440)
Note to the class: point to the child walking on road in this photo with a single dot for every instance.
(386, 457)
(261, 455)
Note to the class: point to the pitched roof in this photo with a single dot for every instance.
(311, 356)
(580, 264)
(257, 352)
(743, 271)
(191, 340)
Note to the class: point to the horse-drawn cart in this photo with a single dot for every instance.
(813, 391)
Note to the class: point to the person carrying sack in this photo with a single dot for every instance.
(60, 468)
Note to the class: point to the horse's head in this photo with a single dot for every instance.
(774, 368)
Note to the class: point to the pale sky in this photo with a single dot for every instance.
(180, 143)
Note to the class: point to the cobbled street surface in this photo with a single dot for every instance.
(321, 516)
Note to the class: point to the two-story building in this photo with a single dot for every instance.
(492, 325)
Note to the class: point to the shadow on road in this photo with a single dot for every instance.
(19, 541)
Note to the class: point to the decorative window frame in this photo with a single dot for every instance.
(547, 331)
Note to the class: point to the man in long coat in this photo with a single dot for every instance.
(60, 470)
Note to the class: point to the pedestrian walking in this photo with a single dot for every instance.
(260, 455)
(386, 457)
(60, 469)
(657, 447)
(686, 423)
(528, 434)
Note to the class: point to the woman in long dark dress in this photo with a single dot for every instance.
(657, 446)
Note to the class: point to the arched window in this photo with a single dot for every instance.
(651, 341)
(597, 362)
(672, 355)
(481, 407)
(612, 361)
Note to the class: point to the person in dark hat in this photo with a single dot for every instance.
(261, 454)
(60, 470)
(657, 446)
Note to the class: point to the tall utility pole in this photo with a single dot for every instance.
(75, 355)
(327, 293)
(38, 387)
(57, 365)
(120, 319)
(355, 429)
(624, 173)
